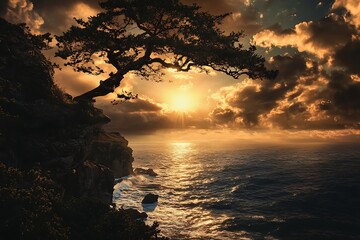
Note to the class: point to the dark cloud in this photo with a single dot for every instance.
(146, 116)
(139, 105)
(223, 115)
(290, 67)
(293, 116)
(246, 104)
(53, 4)
(344, 101)
(330, 32)
(247, 20)
(349, 57)
(327, 98)
(277, 28)
(136, 117)
(304, 96)
(46, 15)
(242, 16)
(138, 123)
(320, 37)
(57, 14)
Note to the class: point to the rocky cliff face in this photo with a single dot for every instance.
(41, 125)
(111, 149)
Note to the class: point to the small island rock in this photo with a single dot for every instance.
(150, 198)
(142, 171)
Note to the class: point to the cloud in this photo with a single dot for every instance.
(136, 116)
(244, 104)
(321, 37)
(144, 115)
(318, 86)
(247, 20)
(223, 116)
(47, 15)
(326, 97)
(304, 96)
(353, 7)
(344, 100)
(45, 4)
(349, 57)
(59, 14)
(243, 15)
(22, 11)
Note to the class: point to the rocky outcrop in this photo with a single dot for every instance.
(142, 171)
(111, 149)
(150, 198)
(41, 125)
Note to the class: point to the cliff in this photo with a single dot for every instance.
(42, 126)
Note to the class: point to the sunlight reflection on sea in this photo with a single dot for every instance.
(247, 192)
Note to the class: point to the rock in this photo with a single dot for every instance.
(149, 207)
(150, 198)
(118, 180)
(142, 171)
(111, 149)
(95, 181)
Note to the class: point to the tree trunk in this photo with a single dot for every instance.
(107, 86)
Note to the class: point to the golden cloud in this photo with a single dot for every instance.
(353, 6)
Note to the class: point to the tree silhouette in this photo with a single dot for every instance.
(147, 36)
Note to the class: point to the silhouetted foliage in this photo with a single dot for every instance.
(32, 207)
(27, 201)
(89, 219)
(147, 36)
(40, 41)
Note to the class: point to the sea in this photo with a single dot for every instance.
(209, 190)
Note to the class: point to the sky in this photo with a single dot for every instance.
(315, 45)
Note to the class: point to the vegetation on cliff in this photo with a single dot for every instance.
(32, 207)
(49, 186)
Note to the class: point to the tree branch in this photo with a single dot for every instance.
(177, 66)
(105, 87)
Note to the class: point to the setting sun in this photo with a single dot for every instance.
(182, 103)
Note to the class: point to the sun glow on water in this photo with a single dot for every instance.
(180, 149)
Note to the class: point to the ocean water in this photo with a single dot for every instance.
(256, 191)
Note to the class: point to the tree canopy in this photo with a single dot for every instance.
(147, 36)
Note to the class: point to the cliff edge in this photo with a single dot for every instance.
(42, 126)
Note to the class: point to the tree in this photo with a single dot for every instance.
(147, 36)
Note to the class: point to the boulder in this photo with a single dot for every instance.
(142, 171)
(150, 198)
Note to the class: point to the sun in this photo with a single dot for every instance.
(182, 103)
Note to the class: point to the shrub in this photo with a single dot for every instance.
(27, 200)
(31, 207)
